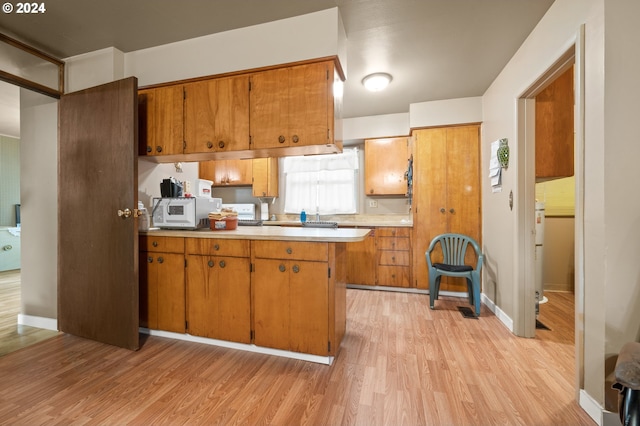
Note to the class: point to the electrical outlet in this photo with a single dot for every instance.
(373, 203)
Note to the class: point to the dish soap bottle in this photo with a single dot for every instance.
(303, 216)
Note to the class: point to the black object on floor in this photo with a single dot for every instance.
(467, 312)
(541, 326)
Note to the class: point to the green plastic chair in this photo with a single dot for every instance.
(454, 248)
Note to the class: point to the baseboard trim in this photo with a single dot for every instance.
(38, 322)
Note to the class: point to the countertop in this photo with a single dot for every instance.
(278, 233)
(348, 221)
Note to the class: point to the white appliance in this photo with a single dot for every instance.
(245, 211)
(183, 212)
(264, 211)
(539, 227)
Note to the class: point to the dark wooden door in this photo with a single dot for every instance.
(97, 248)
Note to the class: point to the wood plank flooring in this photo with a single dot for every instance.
(400, 363)
(12, 335)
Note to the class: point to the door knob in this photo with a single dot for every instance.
(125, 213)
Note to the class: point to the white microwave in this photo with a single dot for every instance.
(183, 212)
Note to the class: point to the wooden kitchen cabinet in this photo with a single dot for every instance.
(361, 261)
(292, 106)
(216, 115)
(162, 283)
(160, 116)
(446, 193)
(385, 166)
(554, 128)
(219, 289)
(265, 177)
(393, 254)
(227, 172)
(294, 296)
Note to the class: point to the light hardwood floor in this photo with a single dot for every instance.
(400, 363)
(12, 335)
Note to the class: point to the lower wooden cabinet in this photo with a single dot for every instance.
(219, 289)
(292, 287)
(162, 284)
(383, 258)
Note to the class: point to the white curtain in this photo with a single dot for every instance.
(325, 184)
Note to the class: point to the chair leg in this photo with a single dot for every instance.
(476, 295)
(434, 287)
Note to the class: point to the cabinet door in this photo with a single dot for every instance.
(385, 165)
(162, 291)
(218, 294)
(269, 108)
(309, 307)
(271, 307)
(265, 177)
(217, 115)
(361, 261)
(160, 115)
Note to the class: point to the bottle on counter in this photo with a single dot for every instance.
(303, 216)
(143, 219)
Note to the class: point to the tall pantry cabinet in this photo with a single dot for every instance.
(446, 193)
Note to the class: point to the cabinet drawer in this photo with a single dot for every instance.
(291, 250)
(161, 244)
(392, 257)
(393, 232)
(218, 247)
(391, 243)
(393, 276)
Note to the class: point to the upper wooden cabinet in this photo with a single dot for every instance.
(292, 106)
(385, 166)
(216, 115)
(227, 172)
(160, 115)
(265, 177)
(554, 128)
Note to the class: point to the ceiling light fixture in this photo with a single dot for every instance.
(377, 81)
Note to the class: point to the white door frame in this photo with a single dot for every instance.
(524, 318)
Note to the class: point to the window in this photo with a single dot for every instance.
(325, 184)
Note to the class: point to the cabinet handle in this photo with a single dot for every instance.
(160, 259)
(295, 269)
(158, 148)
(282, 268)
(442, 210)
(149, 149)
(281, 139)
(295, 139)
(222, 264)
(7, 247)
(211, 263)
(209, 144)
(216, 247)
(289, 250)
(221, 144)
(155, 244)
(150, 259)
(452, 211)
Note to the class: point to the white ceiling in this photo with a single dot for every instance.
(435, 49)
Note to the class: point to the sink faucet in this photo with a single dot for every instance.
(317, 215)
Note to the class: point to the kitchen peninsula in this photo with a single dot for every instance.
(274, 290)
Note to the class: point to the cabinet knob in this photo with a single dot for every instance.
(160, 259)
(149, 259)
(371, 191)
(281, 139)
(155, 244)
(209, 144)
(452, 211)
(7, 247)
(158, 148)
(216, 247)
(282, 268)
(295, 139)
(393, 259)
(442, 210)
(295, 269)
(211, 263)
(222, 264)
(221, 144)
(149, 149)
(289, 250)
